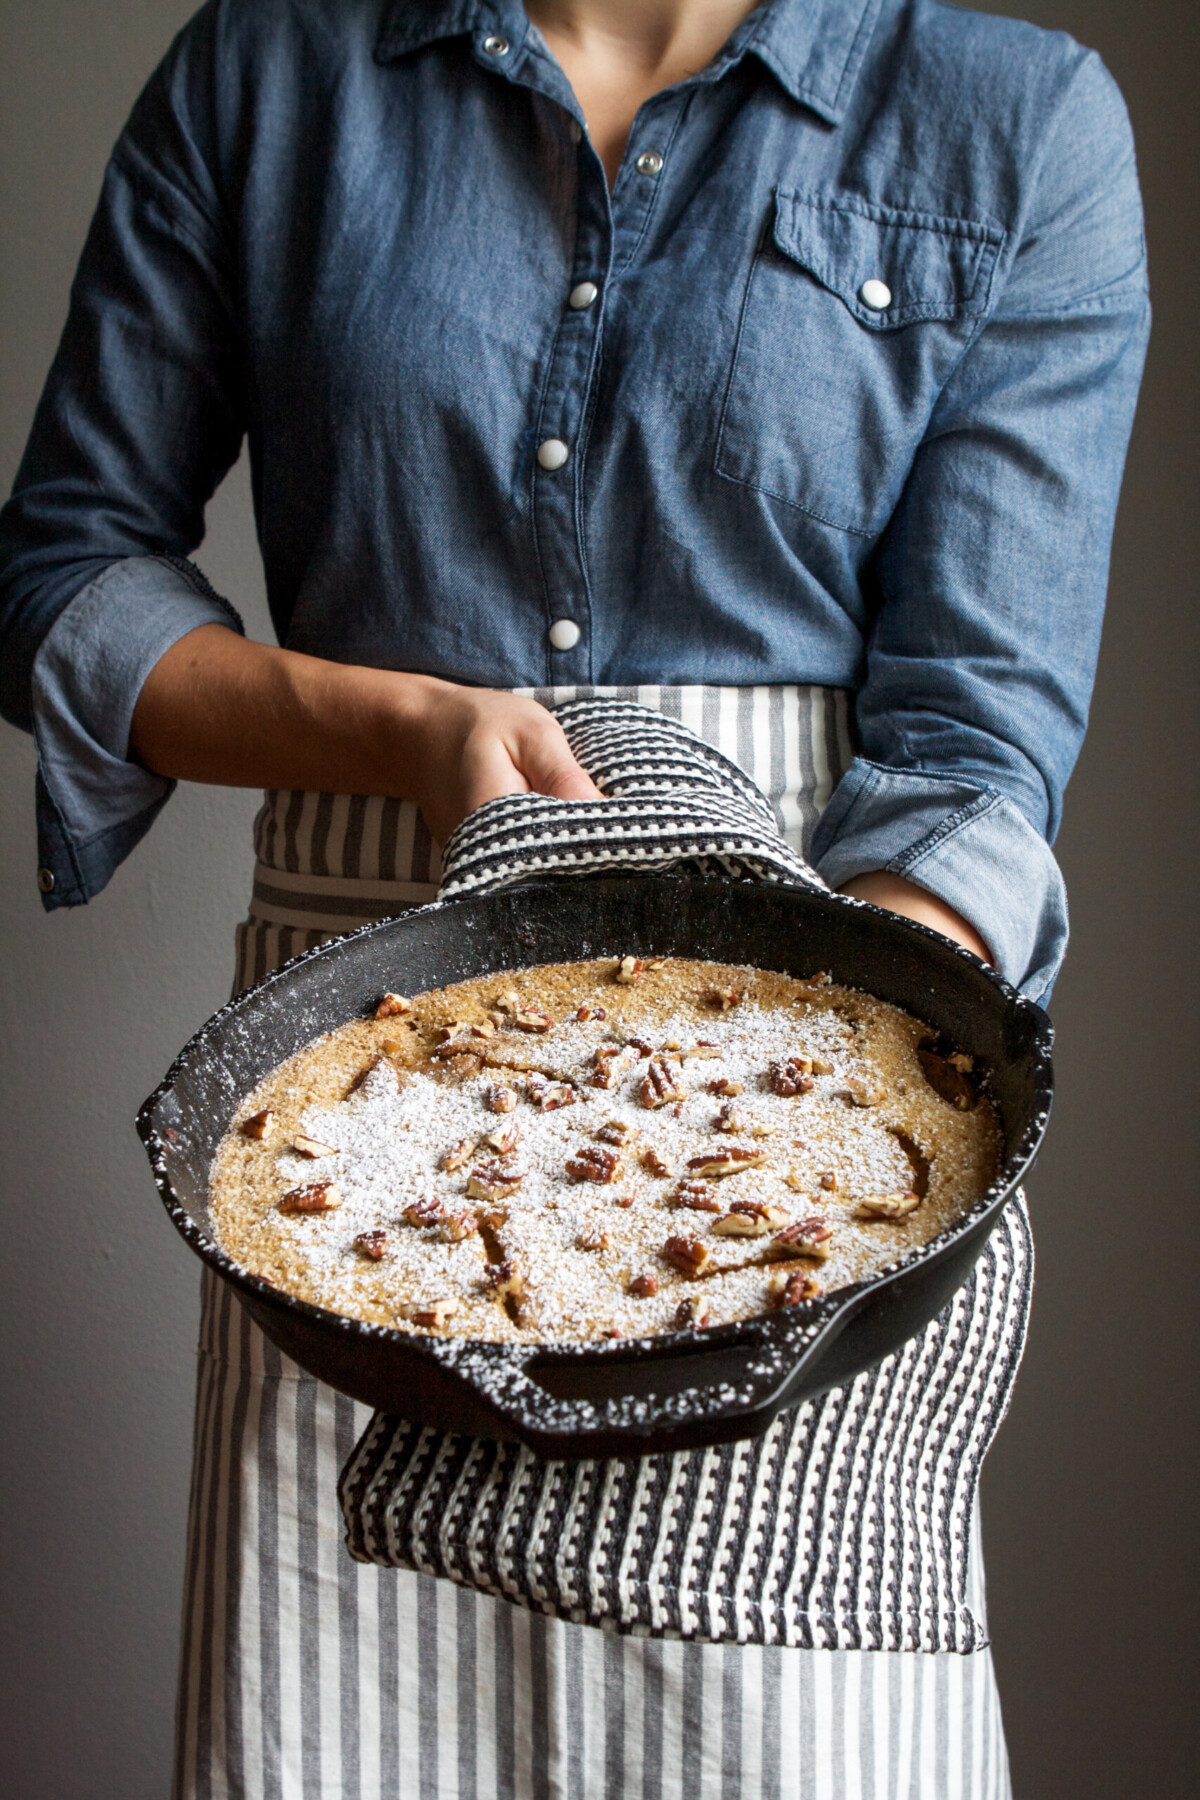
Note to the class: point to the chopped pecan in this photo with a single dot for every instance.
(528, 1018)
(790, 1287)
(501, 1099)
(691, 1256)
(703, 1048)
(457, 1226)
(948, 1072)
(632, 968)
(586, 1012)
(372, 1244)
(393, 1006)
(317, 1197)
(460, 1156)
(645, 1285)
(692, 1314)
(740, 1225)
(505, 1280)
(660, 1085)
(820, 1066)
(459, 1044)
(594, 1238)
(807, 1237)
(724, 1086)
(312, 1148)
(483, 1028)
(730, 1119)
(592, 1163)
(425, 1212)
(611, 1061)
(696, 1196)
(493, 1181)
(432, 1314)
(725, 998)
(625, 1200)
(451, 1030)
(640, 1046)
(504, 1140)
(555, 1095)
(828, 1180)
(888, 1206)
(750, 1218)
(761, 1209)
(258, 1124)
(717, 1163)
(791, 1075)
(653, 1163)
(615, 1131)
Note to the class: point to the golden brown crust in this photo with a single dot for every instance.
(648, 1152)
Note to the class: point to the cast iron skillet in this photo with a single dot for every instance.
(675, 1392)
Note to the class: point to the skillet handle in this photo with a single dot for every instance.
(679, 1401)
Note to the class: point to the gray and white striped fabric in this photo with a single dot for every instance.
(308, 1676)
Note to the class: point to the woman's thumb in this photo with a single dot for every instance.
(548, 765)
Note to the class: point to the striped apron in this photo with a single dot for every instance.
(308, 1676)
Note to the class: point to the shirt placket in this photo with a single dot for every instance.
(609, 229)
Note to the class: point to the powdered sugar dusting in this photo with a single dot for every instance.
(578, 1245)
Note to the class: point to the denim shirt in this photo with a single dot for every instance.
(834, 387)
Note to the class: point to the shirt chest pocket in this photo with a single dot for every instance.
(853, 319)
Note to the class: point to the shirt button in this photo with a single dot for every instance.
(564, 634)
(875, 294)
(575, 131)
(495, 46)
(648, 163)
(552, 454)
(581, 297)
(45, 877)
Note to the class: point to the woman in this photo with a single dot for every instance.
(747, 359)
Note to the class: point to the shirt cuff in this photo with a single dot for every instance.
(93, 803)
(964, 841)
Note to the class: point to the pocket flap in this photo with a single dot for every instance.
(920, 266)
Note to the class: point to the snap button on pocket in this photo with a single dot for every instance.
(836, 372)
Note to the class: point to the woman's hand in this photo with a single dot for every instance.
(469, 745)
(219, 708)
(912, 902)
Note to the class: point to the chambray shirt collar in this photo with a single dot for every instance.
(814, 48)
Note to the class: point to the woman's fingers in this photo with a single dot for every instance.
(548, 764)
(473, 745)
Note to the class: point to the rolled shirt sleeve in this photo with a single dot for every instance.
(93, 802)
(966, 843)
(988, 583)
(142, 415)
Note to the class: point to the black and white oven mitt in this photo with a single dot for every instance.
(672, 803)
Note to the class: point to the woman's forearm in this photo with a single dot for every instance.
(912, 902)
(219, 708)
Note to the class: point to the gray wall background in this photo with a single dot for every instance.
(1087, 1494)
